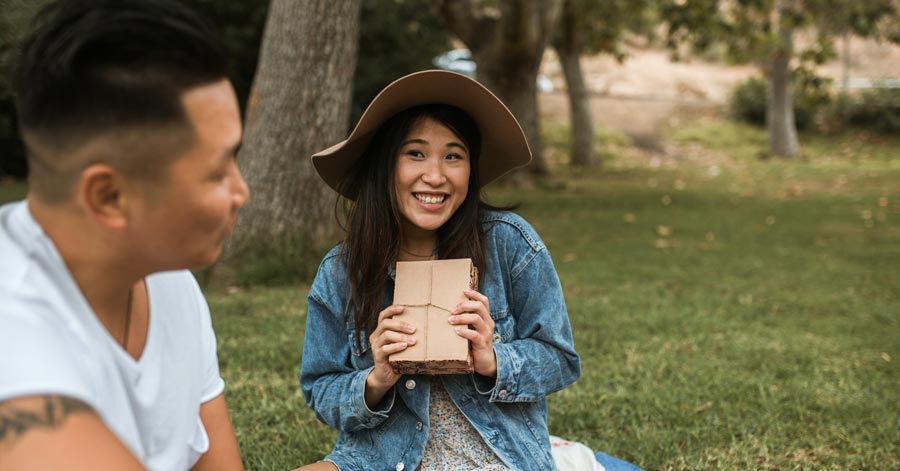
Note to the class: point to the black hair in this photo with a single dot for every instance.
(373, 218)
(97, 67)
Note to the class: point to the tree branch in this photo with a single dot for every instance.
(473, 25)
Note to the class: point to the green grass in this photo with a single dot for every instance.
(731, 312)
(11, 190)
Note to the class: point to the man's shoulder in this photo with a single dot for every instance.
(15, 253)
(175, 281)
(177, 295)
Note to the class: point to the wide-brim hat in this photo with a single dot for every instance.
(503, 144)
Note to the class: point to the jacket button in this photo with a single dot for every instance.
(410, 384)
(496, 337)
(399, 467)
(419, 426)
(503, 393)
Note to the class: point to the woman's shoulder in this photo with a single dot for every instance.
(509, 227)
(331, 270)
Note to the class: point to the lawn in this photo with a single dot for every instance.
(731, 312)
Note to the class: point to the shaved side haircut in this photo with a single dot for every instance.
(98, 83)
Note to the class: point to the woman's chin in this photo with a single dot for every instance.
(429, 223)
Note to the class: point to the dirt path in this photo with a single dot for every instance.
(648, 91)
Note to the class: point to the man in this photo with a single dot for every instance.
(107, 353)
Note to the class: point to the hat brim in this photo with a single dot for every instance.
(503, 144)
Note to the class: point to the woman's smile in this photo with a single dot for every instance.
(431, 177)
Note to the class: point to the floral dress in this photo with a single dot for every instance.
(454, 444)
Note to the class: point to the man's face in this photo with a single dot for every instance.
(183, 220)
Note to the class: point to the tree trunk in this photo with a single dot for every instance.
(845, 64)
(516, 84)
(780, 123)
(299, 104)
(508, 44)
(569, 48)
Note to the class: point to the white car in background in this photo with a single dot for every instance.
(460, 60)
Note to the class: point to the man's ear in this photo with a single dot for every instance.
(102, 195)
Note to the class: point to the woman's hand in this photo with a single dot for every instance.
(473, 321)
(390, 336)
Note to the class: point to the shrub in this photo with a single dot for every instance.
(876, 110)
(811, 93)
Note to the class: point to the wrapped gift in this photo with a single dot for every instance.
(429, 290)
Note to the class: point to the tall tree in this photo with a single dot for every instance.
(591, 27)
(781, 126)
(507, 39)
(762, 31)
(299, 103)
(389, 26)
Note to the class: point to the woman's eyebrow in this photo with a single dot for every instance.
(414, 141)
(425, 143)
(457, 144)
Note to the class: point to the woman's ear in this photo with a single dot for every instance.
(101, 194)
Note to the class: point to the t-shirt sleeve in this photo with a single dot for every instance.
(212, 382)
(37, 357)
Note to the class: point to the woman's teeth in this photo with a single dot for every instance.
(430, 198)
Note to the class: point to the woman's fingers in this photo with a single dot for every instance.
(390, 338)
(391, 335)
(389, 311)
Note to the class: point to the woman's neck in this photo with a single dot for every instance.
(418, 248)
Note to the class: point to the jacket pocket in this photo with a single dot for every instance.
(361, 357)
(504, 327)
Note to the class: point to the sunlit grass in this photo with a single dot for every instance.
(731, 313)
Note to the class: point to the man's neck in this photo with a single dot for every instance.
(105, 276)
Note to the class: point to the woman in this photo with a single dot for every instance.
(411, 174)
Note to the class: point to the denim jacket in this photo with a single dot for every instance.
(532, 342)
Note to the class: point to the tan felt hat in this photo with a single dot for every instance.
(503, 144)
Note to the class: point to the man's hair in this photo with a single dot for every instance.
(102, 80)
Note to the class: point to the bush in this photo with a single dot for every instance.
(811, 93)
(876, 110)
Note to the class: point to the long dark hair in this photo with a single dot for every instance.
(372, 221)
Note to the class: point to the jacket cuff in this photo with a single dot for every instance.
(509, 364)
(367, 417)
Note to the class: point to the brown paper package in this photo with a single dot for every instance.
(429, 290)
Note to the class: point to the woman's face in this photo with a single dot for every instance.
(431, 177)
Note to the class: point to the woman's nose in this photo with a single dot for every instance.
(434, 173)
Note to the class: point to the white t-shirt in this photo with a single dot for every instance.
(52, 343)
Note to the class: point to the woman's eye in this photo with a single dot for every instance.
(415, 153)
(454, 157)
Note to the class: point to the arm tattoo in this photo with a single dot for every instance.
(47, 412)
